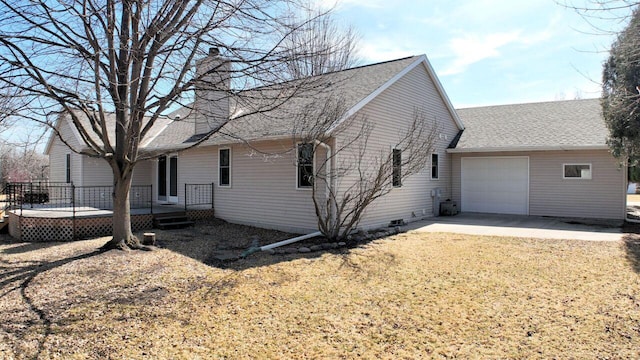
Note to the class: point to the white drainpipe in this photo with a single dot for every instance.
(290, 241)
(317, 233)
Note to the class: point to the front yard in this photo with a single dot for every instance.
(407, 296)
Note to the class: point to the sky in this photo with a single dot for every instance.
(488, 52)
(485, 52)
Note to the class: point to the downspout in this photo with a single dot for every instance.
(302, 237)
(329, 169)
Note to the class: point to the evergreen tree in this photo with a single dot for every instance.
(621, 92)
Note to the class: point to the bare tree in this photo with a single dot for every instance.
(321, 46)
(348, 178)
(133, 60)
(9, 106)
(22, 162)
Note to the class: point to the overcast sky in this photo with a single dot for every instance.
(488, 52)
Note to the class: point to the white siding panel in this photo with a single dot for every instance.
(57, 161)
(601, 197)
(391, 113)
(58, 156)
(263, 186)
(143, 173)
(195, 166)
(97, 172)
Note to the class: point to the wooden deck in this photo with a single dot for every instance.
(84, 211)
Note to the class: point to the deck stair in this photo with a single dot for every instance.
(4, 222)
(176, 220)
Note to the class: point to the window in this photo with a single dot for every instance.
(224, 167)
(305, 165)
(68, 168)
(434, 167)
(576, 171)
(397, 168)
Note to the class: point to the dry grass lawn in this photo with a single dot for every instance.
(405, 297)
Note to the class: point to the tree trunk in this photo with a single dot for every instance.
(123, 237)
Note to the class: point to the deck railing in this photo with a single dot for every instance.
(198, 196)
(68, 197)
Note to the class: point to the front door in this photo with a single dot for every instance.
(168, 179)
(173, 179)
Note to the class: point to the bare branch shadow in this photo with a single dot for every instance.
(631, 241)
(14, 277)
(221, 245)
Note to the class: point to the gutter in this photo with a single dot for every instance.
(526, 148)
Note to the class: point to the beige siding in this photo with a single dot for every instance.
(197, 167)
(391, 113)
(58, 156)
(96, 172)
(143, 173)
(57, 161)
(602, 197)
(263, 187)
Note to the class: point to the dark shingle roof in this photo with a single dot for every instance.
(351, 85)
(545, 125)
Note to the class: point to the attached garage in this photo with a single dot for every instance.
(495, 184)
(537, 159)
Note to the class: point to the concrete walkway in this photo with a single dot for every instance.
(517, 226)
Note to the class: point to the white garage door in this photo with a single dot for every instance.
(495, 185)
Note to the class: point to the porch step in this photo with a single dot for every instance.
(171, 221)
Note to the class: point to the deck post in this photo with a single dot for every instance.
(73, 205)
(31, 193)
(185, 197)
(22, 196)
(151, 198)
(212, 187)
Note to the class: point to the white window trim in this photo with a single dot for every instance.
(230, 167)
(431, 166)
(578, 178)
(304, 188)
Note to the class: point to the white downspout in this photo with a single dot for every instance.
(290, 241)
(329, 170)
(302, 237)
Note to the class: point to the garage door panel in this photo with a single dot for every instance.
(495, 185)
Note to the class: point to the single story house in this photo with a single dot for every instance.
(546, 159)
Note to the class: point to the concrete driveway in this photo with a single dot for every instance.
(517, 226)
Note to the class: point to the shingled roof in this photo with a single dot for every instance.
(556, 125)
(248, 122)
(353, 86)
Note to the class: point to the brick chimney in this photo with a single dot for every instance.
(212, 92)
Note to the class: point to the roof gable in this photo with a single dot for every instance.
(418, 60)
(356, 87)
(64, 125)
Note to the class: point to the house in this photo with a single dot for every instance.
(250, 161)
(545, 159)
